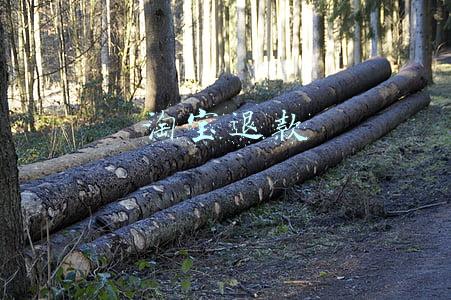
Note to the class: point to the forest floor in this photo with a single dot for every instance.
(345, 234)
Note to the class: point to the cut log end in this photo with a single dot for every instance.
(78, 262)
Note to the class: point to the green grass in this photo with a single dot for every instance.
(59, 136)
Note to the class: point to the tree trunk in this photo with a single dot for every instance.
(246, 161)
(281, 39)
(388, 31)
(260, 43)
(63, 198)
(288, 63)
(206, 36)
(188, 216)
(214, 40)
(268, 37)
(188, 41)
(318, 44)
(27, 12)
(161, 76)
(357, 31)
(221, 38)
(254, 34)
(439, 17)
(330, 41)
(307, 42)
(421, 35)
(142, 36)
(241, 39)
(225, 88)
(375, 32)
(64, 81)
(406, 30)
(105, 51)
(13, 277)
(296, 38)
(39, 87)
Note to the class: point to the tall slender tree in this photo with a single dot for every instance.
(188, 41)
(161, 74)
(312, 42)
(12, 265)
(421, 37)
(268, 34)
(296, 37)
(375, 28)
(241, 38)
(357, 31)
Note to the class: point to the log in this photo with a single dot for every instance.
(185, 217)
(62, 199)
(243, 162)
(224, 89)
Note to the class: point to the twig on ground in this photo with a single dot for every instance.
(402, 212)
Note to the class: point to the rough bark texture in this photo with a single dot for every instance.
(189, 215)
(66, 197)
(13, 278)
(241, 39)
(259, 156)
(130, 138)
(375, 32)
(421, 35)
(162, 89)
(357, 31)
(241, 163)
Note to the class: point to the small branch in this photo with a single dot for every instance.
(401, 212)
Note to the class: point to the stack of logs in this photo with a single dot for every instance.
(124, 195)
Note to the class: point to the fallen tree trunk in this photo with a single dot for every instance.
(187, 216)
(62, 199)
(224, 89)
(243, 162)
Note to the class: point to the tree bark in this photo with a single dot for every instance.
(29, 58)
(318, 44)
(188, 41)
(161, 74)
(330, 42)
(296, 38)
(105, 51)
(268, 34)
(244, 162)
(439, 17)
(64, 198)
(421, 35)
(375, 32)
(241, 51)
(13, 277)
(406, 30)
(206, 36)
(39, 87)
(188, 216)
(281, 39)
(130, 138)
(307, 42)
(357, 31)
(260, 44)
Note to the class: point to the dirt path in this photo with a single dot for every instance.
(411, 261)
